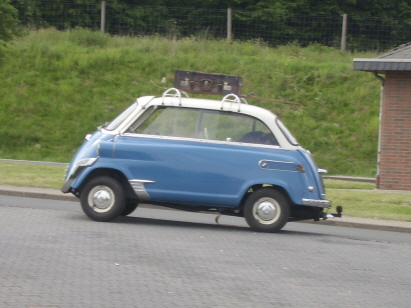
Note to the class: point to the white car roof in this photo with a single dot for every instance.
(230, 103)
(209, 104)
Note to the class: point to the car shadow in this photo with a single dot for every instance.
(132, 220)
(178, 223)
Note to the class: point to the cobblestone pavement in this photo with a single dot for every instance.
(51, 258)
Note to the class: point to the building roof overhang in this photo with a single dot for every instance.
(398, 59)
(382, 65)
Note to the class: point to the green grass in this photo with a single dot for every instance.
(357, 198)
(343, 184)
(31, 175)
(58, 86)
(361, 199)
(373, 204)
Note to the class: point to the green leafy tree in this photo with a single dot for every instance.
(28, 12)
(8, 22)
(276, 22)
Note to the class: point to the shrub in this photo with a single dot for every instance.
(88, 38)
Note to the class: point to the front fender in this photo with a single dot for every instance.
(101, 164)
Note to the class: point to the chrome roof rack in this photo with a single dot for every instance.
(169, 93)
(232, 98)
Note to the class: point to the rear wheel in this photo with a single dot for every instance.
(103, 199)
(266, 210)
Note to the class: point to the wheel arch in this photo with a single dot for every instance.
(257, 187)
(113, 173)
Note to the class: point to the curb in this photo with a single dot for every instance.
(39, 193)
(345, 221)
(369, 224)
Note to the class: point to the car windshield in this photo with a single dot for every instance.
(117, 121)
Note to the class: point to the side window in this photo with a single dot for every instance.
(178, 122)
(234, 127)
(202, 124)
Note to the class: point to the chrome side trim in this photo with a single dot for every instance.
(278, 165)
(140, 189)
(234, 143)
(318, 203)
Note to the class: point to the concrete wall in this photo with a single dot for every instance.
(395, 155)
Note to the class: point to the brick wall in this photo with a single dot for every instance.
(395, 155)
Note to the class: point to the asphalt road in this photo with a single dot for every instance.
(52, 255)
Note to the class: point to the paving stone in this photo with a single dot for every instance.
(62, 259)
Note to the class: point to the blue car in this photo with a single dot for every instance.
(226, 157)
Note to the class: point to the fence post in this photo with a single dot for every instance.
(103, 16)
(229, 24)
(344, 33)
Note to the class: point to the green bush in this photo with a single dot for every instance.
(88, 38)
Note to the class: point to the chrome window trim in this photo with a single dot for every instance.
(212, 141)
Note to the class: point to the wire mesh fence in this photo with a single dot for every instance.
(362, 33)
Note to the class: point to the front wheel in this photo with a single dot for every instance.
(266, 210)
(129, 207)
(103, 199)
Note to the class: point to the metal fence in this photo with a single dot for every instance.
(352, 32)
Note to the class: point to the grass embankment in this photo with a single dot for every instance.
(358, 199)
(58, 86)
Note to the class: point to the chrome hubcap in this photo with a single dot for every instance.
(267, 210)
(101, 199)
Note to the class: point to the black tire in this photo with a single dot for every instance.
(129, 208)
(103, 199)
(266, 210)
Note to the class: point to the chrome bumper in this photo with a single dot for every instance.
(317, 203)
(67, 186)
